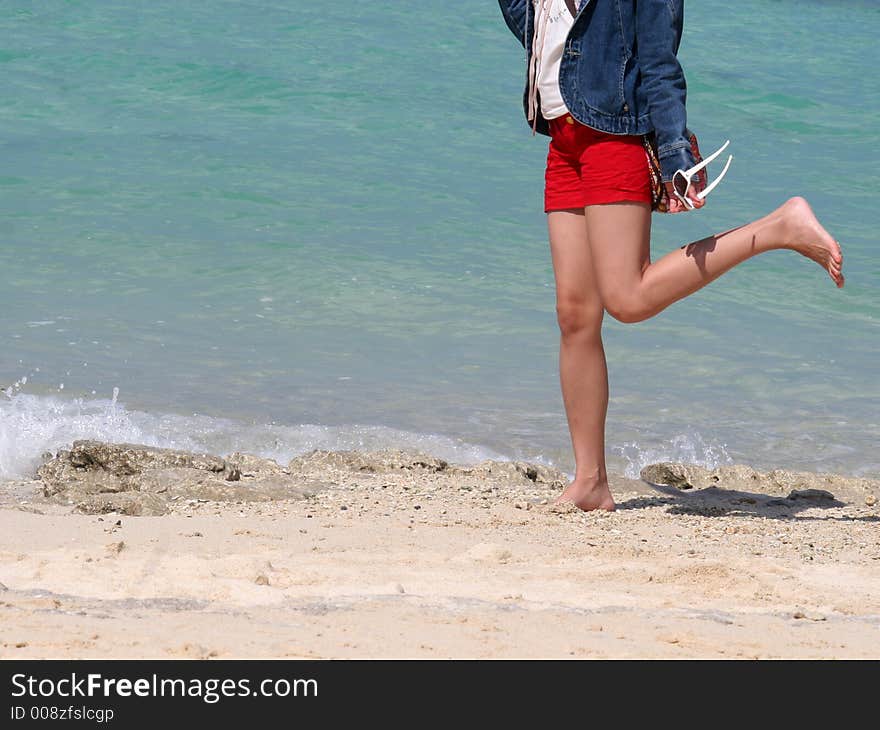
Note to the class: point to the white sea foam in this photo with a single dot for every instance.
(689, 448)
(33, 424)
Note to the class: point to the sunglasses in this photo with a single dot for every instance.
(681, 180)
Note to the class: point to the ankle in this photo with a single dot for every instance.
(593, 478)
(788, 222)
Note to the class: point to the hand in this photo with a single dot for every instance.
(676, 206)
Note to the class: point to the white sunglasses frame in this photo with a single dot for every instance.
(687, 175)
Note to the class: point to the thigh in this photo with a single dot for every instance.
(572, 259)
(620, 245)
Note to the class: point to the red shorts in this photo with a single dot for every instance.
(588, 167)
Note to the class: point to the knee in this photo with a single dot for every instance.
(578, 316)
(626, 309)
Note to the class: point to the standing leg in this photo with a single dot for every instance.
(582, 369)
(633, 289)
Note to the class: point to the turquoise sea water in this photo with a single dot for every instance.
(278, 226)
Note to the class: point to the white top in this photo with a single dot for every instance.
(553, 21)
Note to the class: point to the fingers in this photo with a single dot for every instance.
(693, 194)
(676, 205)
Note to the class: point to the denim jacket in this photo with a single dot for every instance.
(619, 71)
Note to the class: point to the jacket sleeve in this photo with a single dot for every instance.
(658, 30)
(514, 12)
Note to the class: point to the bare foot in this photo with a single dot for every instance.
(804, 234)
(588, 495)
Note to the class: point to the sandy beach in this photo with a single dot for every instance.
(407, 556)
(317, 233)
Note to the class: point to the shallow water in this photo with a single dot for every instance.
(275, 227)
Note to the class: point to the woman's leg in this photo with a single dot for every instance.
(633, 289)
(582, 370)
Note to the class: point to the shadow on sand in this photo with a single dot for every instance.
(720, 502)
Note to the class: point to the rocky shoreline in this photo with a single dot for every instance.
(97, 477)
(132, 479)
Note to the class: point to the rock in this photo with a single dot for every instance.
(143, 480)
(133, 504)
(325, 465)
(257, 490)
(249, 465)
(384, 460)
(261, 580)
(744, 478)
(870, 500)
(691, 476)
(814, 495)
(122, 460)
(3, 588)
(168, 481)
(516, 473)
(540, 474)
(681, 476)
(776, 483)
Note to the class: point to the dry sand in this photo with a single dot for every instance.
(415, 563)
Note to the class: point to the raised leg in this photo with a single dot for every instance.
(582, 369)
(633, 289)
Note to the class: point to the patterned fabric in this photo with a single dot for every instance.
(659, 194)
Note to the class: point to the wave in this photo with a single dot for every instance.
(687, 448)
(31, 425)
